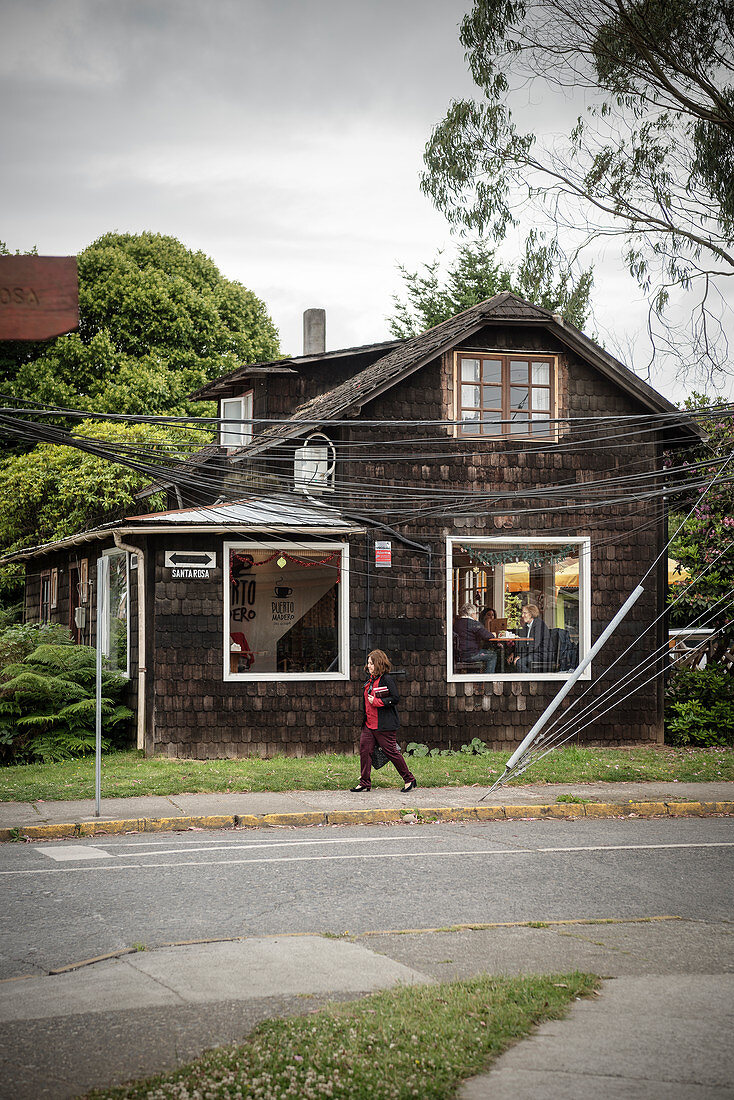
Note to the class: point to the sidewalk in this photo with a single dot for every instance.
(152, 813)
(156, 813)
(659, 1029)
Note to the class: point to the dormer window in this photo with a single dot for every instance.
(505, 395)
(235, 429)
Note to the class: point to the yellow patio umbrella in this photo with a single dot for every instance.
(517, 577)
(677, 573)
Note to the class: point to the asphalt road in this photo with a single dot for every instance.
(68, 901)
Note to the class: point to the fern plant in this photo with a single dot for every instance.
(48, 707)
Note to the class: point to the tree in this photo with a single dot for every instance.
(651, 161)
(53, 491)
(476, 274)
(705, 543)
(157, 322)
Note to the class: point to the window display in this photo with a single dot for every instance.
(286, 612)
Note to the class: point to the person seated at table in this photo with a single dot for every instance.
(536, 655)
(486, 617)
(472, 639)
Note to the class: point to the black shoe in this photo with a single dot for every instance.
(354, 790)
(409, 786)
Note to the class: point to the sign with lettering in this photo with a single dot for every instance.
(383, 554)
(39, 297)
(190, 565)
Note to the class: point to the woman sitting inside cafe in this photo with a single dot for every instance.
(471, 639)
(536, 656)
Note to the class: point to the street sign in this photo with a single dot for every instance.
(39, 297)
(190, 565)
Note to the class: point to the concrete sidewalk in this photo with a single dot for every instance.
(152, 813)
(652, 1038)
(660, 1027)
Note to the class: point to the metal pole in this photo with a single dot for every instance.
(556, 702)
(103, 572)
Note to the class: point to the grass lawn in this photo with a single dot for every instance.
(128, 773)
(406, 1042)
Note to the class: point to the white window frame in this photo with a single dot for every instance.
(106, 633)
(584, 550)
(343, 611)
(236, 410)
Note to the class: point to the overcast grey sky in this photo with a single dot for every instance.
(282, 137)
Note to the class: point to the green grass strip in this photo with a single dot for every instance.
(396, 1045)
(128, 773)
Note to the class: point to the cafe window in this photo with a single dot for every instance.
(286, 611)
(236, 421)
(505, 395)
(504, 585)
(115, 625)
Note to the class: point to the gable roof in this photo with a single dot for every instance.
(220, 386)
(410, 355)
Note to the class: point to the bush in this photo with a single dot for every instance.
(20, 639)
(700, 707)
(47, 705)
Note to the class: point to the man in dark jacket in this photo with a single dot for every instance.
(472, 639)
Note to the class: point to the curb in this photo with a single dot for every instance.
(562, 811)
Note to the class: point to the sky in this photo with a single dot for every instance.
(283, 138)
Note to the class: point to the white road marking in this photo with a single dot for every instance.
(74, 851)
(377, 855)
(234, 847)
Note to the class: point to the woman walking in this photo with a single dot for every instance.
(380, 722)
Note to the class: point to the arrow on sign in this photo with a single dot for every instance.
(190, 559)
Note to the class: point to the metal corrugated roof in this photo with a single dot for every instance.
(277, 511)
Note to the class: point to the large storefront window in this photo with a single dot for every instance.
(115, 634)
(286, 612)
(532, 596)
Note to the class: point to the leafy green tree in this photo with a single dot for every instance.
(541, 277)
(650, 161)
(53, 491)
(705, 543)
(157, 322)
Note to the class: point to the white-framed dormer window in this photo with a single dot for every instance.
(286, 611)
(517, 608)
(116, 621)
(235, 428)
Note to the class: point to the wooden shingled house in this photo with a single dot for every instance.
(361, 499)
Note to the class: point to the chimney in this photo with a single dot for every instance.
(314, 331)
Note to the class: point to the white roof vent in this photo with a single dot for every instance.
(314, 464)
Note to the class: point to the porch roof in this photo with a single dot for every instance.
(281, 512)
(264, 515)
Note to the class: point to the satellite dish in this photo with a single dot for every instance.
(314, 464)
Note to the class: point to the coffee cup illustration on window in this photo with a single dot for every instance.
(282, 591)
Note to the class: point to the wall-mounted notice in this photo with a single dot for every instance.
(383, 554)
(190, 565)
